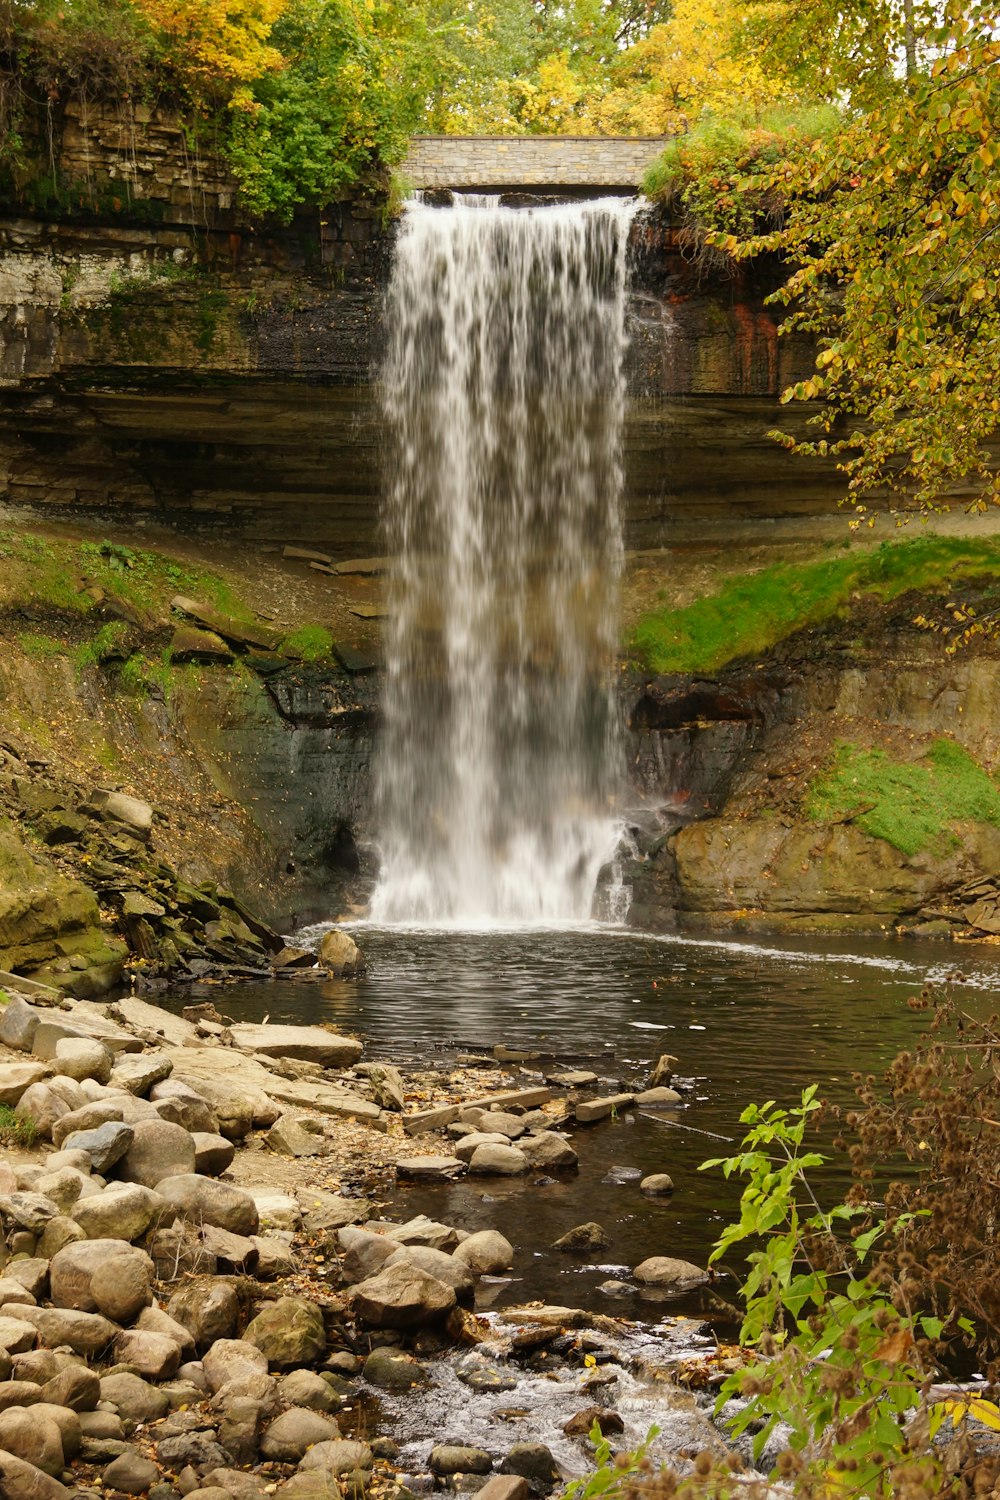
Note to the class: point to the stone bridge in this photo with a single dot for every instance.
(573, 163)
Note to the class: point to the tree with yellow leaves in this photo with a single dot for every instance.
(218, 43)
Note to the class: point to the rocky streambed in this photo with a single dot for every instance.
(201, 1294)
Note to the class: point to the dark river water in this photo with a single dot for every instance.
(747, 1022)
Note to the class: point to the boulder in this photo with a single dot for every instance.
(230, 1360)
(288, 1332)
(391, 1370)
(657, 1184)
(669, 1274)
(130, 1474)
(452, 1458)
(293, 1135)
(498, 1161)
(338, 1457)
(402, 1296)
(76, 1388)
(123, 1211)
(533, 1462)
(203, 1200)
(423, 1231)
(43, 1106)
(501, 1122)
(179, 1251)
(296, 1430)
(179, 1103)
(306, 1388)
(82, 1057)
(239, 1430)
(18, 1023)
(159, 1149)
(486, 1253)
(85, 1333)
(95, 1112)
(154, 1356)
(208, 1309)
(339, 953)
(155, 1320)
(305, 1043)
(213, 1154)
(325, 1211)
(17, 1077)
(443, 1267)
(235, 1254)
(76, 1268)
(20, 1480)
(63, 1188)
(276, 1210)
(466, 1146)
(364, 1253)
(105, 1145)
(137, 1072)
(583, 1239)
(134, 1399)
(15, 1333)
(386, 1084)
(549, 1151)
(30, 1211)
(429, 1168)
(659, 1098)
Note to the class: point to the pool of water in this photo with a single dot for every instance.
(747, 1021)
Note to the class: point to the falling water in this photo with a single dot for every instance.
(504, 393)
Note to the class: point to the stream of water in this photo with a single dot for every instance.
(503, 393)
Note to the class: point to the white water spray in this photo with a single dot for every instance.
(504, 395)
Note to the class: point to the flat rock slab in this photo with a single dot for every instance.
(589, 1110)
(16, 1077)
(443, 1115)
(230, 1066)
(364, 567)
(175, 1031)
(307, 1043)
(430, 1168)
(572, 1080)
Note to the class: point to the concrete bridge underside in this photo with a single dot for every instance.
(570, 163)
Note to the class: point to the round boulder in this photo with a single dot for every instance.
(107, 1276)
(205, 1201)
(339, 953)
(159, 1149)
(288, 1332)
(669, 1274)
(486, 1253)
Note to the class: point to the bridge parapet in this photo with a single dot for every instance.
(530, 161)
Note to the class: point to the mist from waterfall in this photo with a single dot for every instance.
(503, 393)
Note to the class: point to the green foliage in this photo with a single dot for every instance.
(836, 1358)
(910, 804)
(104, 644)
(308, 643)
(41, 647)
(901, 211)
(702, 173)
(614, 1475)
(15, 1129)
(145, 675)
(751, 613)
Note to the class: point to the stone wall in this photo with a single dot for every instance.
(530, 161)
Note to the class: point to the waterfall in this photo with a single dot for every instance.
(503, 393)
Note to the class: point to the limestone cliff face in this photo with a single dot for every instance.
(721, 770)
(162, 352)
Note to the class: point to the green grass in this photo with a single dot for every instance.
(752, 612)
(308, 643)
(41, 647)
(142, 673)
(51, 571)
(16, 1130)
(910, 804)
(107, 642)
(729, 147)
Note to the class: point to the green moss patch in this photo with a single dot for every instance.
(308, 643)
(751, 613)
(910, 804)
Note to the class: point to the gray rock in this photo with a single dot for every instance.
(498, 1161)
(549, 1151)
(235, 1254)
(288, 1332)
(77, 1388)
(20, 1480)
(135, 1400)
(308, 1043)
(121, 1212)
(199, 1449)
(155, 1320)
(76, 1268)
(500, 1122)
(33, 1437)
(213, 1154)
(391, 1370)
(274, 1258)
(159, 1149)
(239, 1430)
(666, 1272)
(43, 1106)
(116, 807)
(423, 1231)
(154, 1356)
(339, 953)
(533, 1462)
(402, 1297)
(229, 1360)
(429, 1168)
(31, 1211)
(659, 1098)
(18, 1023)
(386, 1084)
(338, 1457)
(137, 1072)
(480, 1375)
(436, 1263)
(182, 1105)
(297, 1135)
(452, 1458)
(467, 1145)
(63, 1188)
(324, 1211)
(208, 1309)
(16, 1078)
(583, 1239)
(82, 1057)
(84, 1333)
(486, 1253)
(657, 1184)
(306, 1388)
(105, 1145)
(364, 1253)
(179, 1251)
(131, 1473)
(92, 1114)
(205, 1201)
(33, 1274)
(297, 1429)
(16, 1334)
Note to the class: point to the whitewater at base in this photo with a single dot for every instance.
(503, 389)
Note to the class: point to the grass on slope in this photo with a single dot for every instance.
(910, 804)
(751, 613)
(37, 569)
